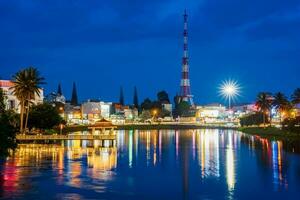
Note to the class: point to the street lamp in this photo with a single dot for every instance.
(229, 89)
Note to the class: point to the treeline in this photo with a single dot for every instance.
(254, 119)
(8, 128)
(285, 107)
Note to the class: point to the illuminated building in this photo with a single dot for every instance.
(210, 113)
(94, 110)
(73, 114)
(12, 102)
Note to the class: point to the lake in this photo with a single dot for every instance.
(155, 164)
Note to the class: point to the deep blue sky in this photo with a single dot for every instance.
(104, 44)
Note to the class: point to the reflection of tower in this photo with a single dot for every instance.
(185, 90)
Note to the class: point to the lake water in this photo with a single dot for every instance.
(165, 164)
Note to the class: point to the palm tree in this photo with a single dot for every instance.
(296, 96)
(263, 103)
(26, 85)
(281, 104)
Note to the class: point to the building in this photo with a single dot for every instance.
(94, 110)
(12, 102)
(211, 113)
(244, 109)
(73, 114)
(167, 107)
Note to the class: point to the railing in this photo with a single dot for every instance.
(67, 137)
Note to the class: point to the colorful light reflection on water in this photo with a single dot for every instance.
(152, 164)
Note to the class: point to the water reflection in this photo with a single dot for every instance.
(230, 165)
(176, 164)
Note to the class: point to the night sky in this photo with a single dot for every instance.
(102, 45)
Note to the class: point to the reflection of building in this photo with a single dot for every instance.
(104, 158)
(12, 101)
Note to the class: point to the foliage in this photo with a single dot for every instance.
(135, 99)
(44, 116)
(292, 124)
(7, 134)
(8, 128)
(26, 84)
(281, 103)
(184, 109)
(74, 99)
(163, 97)
(253, 119)
(264, 103)
(296, 96)
(121, 100)
(146, 104)
(145, 115)
(2, 101)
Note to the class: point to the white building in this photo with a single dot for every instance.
(210, 113)
(95, 110)
(12, 102)
(167, 107)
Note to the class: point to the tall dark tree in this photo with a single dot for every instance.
(44, 116)
(296, 96)
(281, 104)
(163, 97)
(2, 101)
(74, 99)
(7, 128)
(59, 90)
(27, 84)
(146, 104)
(135, 99)
(121, 99)
(264, 103)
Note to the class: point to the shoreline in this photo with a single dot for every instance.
(271, 133)
(150, 127)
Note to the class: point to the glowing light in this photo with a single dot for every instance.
(229, 90)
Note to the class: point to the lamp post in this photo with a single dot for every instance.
(229, 90)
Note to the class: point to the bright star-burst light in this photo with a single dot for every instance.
(229, 90)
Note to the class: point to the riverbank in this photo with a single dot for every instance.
(272, 133)
(68, 129)
(170, 126)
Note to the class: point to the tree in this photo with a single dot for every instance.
(183, 109)
(44, 116)
(163, 97)
(135, 99)
(121, 99)
(74, 99)
(146, 104)
(7, 128)
(27, 84)
(59, 90)
(252, 119)
(2, 101)
(146, 114)
(263, 103)
(281, 104)
(296, 96)
(7, 134)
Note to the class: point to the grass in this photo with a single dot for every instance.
(272, 133)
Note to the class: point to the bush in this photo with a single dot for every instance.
(292, 124)
(7, 134)
(253, 119)
(44, 116)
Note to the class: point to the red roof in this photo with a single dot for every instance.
(6, 83)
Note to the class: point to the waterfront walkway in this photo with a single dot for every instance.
(110, 136)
